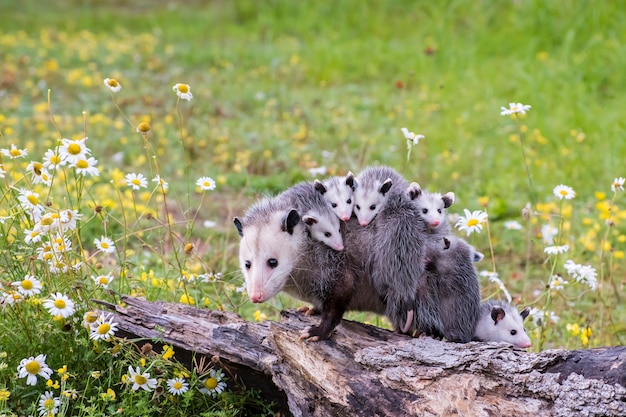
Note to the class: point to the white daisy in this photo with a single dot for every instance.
(32, 236)
(214, 385)
(137, 181)
(14, 152)
(183, 91)
(160, 181)
(86, 166)
(140, 380)
(103, 328)
(53, 160)
(102, 280)
(412, 139)
(29, 200)
(584, 274)
(89, 319)
(28, 286)
(32, 367)
(38, 173)
(548, 233)
(69, 218)
(48, 404)
(555, 250)
(206, 183)
(618, 184)
(564, 192)
(104, 244)
(512, 225)
(472, 222)
(557, 282)
(74, 150)
(112, 84)
(177, 386)
(59, 305)
(514, 108)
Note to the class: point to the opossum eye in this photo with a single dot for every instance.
(349, 201)
(247, 264)
(358, 207)
(439, 211)
(333, 205)
(272, 262)
(328, 234)
(373, 207)
(425, 210)
(513, 332)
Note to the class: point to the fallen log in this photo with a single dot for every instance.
(363, 370)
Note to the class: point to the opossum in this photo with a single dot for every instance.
(276, 254)
(432, 208)
(338, 192)
(393, 241)
(501, 322)
(448, 294)
(374, 187)
(320, 220)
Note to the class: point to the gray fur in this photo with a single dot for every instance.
(321, 221)
(374, 187)
(498, 320)
(449, 290)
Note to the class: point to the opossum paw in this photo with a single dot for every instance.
(308, 311)
(312, 334)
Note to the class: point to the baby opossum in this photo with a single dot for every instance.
(276, 255)
(338, 192)
(448, 294)
(320, 220)
(374, 187)
(393, 240)
(501, 322)
(432, 208)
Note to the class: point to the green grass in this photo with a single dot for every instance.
(283, 86)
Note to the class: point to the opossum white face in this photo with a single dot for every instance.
(339, 194)
(324, 229)
(268, 253)
(431, 206)
(505, 325)
(369, 200)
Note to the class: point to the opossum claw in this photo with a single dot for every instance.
(409, 321)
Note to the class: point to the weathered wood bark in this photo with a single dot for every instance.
(366, 371)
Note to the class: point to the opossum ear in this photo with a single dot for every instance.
(319, 186)
(239, 226)
(414, 190)
(477, 256)
(386, 186)
(497, 314)
(309, 220)
(448, 199)
(350, 180)
(446, 243)
(524, 313)
(290, 221)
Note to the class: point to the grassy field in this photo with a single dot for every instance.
(280, 87)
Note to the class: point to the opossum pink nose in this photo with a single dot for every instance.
(257, 297)
(435, 223)
(525, 345)
(364, 223)
(345, 217)
(339, 248)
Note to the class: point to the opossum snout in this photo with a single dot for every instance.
(346, 217)
(257, 297)
(339, 248)
(435, 223)
(524, 345)
(364, 223)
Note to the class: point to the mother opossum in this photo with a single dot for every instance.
(276, 254)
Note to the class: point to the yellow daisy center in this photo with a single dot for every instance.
(15, 152)
(55, 159)
(37, 168)
(74, 149)
(472, 222)
(177, 385)
(210, 383)
(563, 192)
(33, 367)
(143, 127)
(104, 328)
(91, 317)
(27, 284)
(82, 164)
(183, 88)
(49, 403)
(136, 181)
(140, 379)
(104, 245)
(46, 221)
(103, 280)
(59, 303)
(33, 200)
(113, 82)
